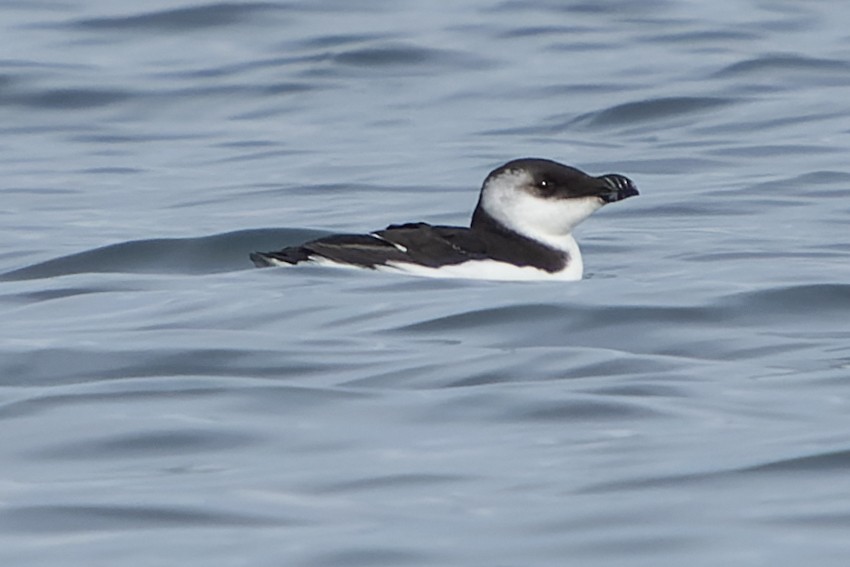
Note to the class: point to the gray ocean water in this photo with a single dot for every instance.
(164, 403)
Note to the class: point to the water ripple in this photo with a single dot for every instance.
(180, 19)
(206, 254)
(145, 445)
(821, 463)
(66, 98)
(76, 518)
(655, 110)
(783, 64)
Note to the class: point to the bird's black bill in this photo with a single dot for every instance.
(619, 187)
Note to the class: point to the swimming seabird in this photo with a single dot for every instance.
(521, 230)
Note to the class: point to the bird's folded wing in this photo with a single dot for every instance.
(417, 243)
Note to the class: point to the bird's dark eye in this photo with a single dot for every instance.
(545, 186)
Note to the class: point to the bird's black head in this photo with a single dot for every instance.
(541, 198)
(552, 180)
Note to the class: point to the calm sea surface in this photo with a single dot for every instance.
(164, 403)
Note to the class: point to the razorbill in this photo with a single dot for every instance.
(521, 230)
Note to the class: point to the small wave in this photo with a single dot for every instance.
(586, 410)
(834, 460)
(98, 517)
(784, 63)
(405, 56)
(179, 19)
(341, 40)
(203, 255)
(831, 300)
(174, 442)
(616, 7)
(65, 99)
(651, 110)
